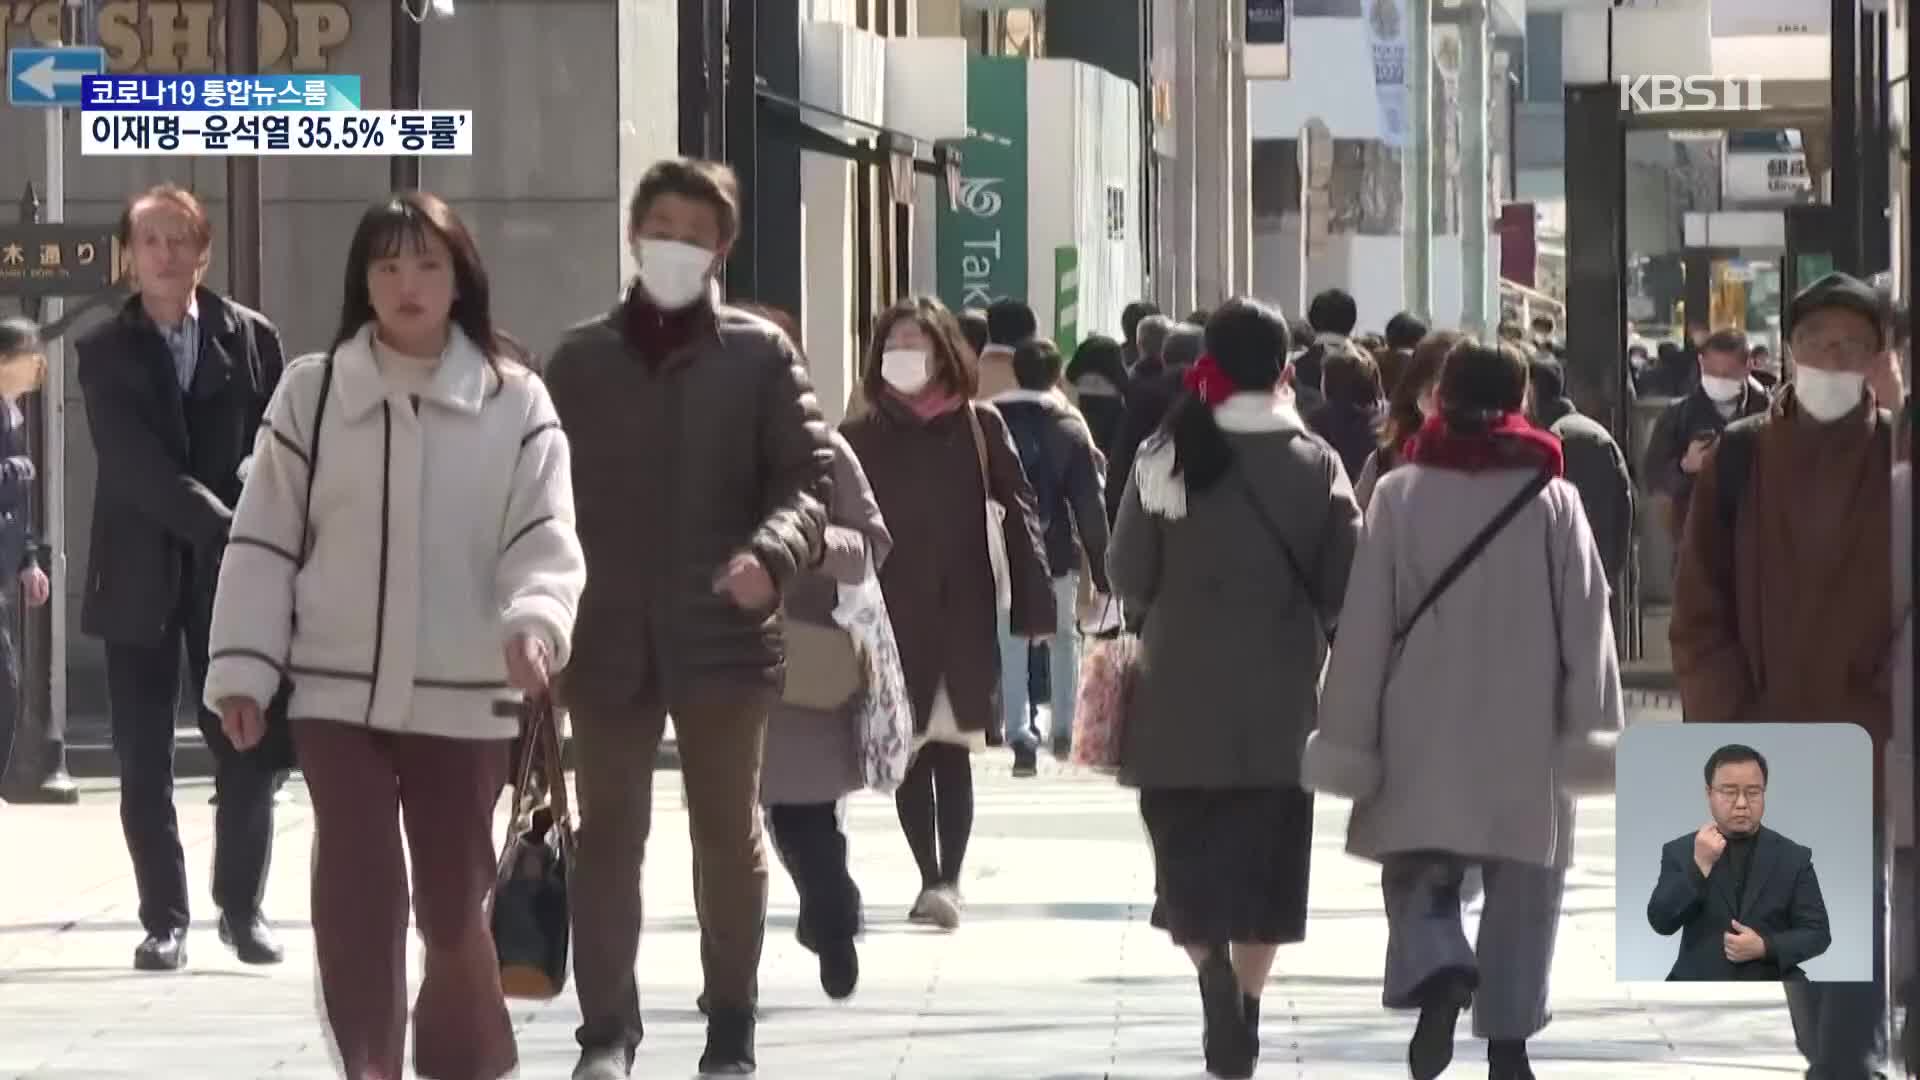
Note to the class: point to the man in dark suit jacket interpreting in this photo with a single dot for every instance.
(1743, 898)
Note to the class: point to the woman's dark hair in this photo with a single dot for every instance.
(403, 223)
(1099, 355)
(1403, 398)
(1349, 376)
(1249, 341)
(955, 368)
(1481, 383)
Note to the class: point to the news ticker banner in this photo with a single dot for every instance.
(257, 115)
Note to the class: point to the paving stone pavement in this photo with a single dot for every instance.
(1055, 975)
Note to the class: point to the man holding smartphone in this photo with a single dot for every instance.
(1690, 427)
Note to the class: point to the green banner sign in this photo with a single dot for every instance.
(982, 246)
(1066, 299)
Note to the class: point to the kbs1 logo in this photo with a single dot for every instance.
(1692, 93)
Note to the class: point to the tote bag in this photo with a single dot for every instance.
(882, 708)
(530, 913)
(1109, 673)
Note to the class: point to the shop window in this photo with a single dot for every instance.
(1018, 32)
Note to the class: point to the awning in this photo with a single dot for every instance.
(786, 118)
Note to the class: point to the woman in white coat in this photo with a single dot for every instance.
(1473, 690)
(404, 553)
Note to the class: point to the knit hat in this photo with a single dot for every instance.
(1843, 292)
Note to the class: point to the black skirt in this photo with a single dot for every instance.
(1230, 865)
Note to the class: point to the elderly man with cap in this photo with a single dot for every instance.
(1780, 598)
(23, 363)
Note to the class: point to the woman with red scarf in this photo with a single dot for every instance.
(1475, 691)
(1231, 552)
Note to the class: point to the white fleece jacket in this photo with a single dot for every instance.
(441, 528)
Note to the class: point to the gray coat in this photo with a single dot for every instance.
(1232, 647)
(1598, 470)
(1505, 697)
(814, 757)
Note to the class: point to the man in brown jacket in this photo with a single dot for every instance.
(701, 473)
(1780, 597)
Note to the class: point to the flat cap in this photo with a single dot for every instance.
(1843, 292)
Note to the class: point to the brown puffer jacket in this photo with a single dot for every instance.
(717, 449)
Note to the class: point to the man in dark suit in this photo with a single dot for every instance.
(1744, 899)
(175, 386)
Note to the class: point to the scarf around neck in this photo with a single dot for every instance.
(933, 402)
(1510, 443)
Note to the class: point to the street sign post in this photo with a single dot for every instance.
(50, 77)
(57, 259)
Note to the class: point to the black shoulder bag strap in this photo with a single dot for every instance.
(1286, 550)
(313, 456)
(1472, 551)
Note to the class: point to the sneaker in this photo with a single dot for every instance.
(943, 907)
(603, 1063)
(1025, 761)
(839, 969)
(729, 1043)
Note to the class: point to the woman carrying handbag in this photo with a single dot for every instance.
(404, 550)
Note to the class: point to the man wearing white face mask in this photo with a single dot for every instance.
(701, 472)
(1781, 609)
(1687, 430)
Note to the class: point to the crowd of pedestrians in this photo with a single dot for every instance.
(1384, 568)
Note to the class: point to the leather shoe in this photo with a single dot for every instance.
(166, 951)
(250, 940)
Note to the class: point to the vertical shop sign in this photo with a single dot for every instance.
(982, 242)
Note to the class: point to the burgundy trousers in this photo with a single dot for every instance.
(365, 785)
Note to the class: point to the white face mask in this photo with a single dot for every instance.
(905, 369)
(1827, 395)
(674, 274)
(1720, 388)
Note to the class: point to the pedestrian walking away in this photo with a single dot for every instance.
(23, 367)
(413, 505)
(702, 472)
(948, 479)
(1058, 455)
(1474, 691)
(175, 385)
(1232, 549)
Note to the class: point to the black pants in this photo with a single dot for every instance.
(1841, 1028)
(811, 845)
(143, 690)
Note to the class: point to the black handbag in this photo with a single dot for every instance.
(529, 911)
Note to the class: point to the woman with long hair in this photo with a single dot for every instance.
(1410, 401)
(404, 553)
(935, 458)
(1231, 551)
(1474, 693)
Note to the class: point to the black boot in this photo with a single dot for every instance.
(1442, 997)
(1251, 1006)
(1507, 1060)
(1227, 1040)
(729, 1042)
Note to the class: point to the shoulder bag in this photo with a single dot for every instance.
(1472, 551)
(996, 518)
(1286, 551)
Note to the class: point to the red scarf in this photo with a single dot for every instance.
(1510, 443)
(653, 333)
